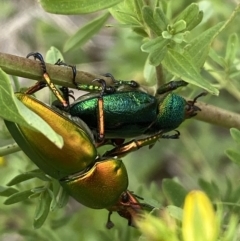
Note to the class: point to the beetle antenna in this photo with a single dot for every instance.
(198, 96)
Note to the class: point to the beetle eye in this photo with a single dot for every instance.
(125, 197)
(187, 107)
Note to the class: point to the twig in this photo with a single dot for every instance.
(60, 75)
(8, 149)
(217, 116)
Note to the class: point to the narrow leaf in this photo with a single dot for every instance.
(160, 18)
(215, 57)
(138, 5)
(175, 212)
(85, 33)
(7, 191)
(235, 133)
(38, 189)
(174, 192)
(184, 68)
(54, 194)
(232, 48)
(149, 20)
(42, 210)
(127, 12)
(18, 197)
(189, 15)
(234, 156)
(156, 57)
(154, 44)
(208, 188)
(76, 6)
(53, 55)
(199, 47)
(27, 176)
(62, 198)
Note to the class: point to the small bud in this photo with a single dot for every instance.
(199, 218)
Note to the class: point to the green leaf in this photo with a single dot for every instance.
(234, 197)
(7, 191)
(149, 20)
(235, 133)
(229, 189)
(215, 57)
(140, 31)
(76, 6)
(128, 13)
(199, 47)
(160, 18)
(157, 48)
(55, 191)
(234, 156)
(175, 212)
(156, 57)
(209, 189)
(34, 195)
(232, 48)
(62, 199)
(183, 67)
(14, 110)
(18, 197)
(174, 192)
(191, 16)
(138, 5)
(27, 176)
(42, 209)
(154, 44)
(179, 26)
(53, 55)
(39, 189)
(195, 21)
(53, 203)
(85, 33)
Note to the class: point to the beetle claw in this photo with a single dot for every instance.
(109, 223)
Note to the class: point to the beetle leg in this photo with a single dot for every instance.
(174, 136)
(170, 86)
(119, 83)
(46, 79)
(133, 145)
(38, 86)
(74, 70)
(109, 223)
(100, 112)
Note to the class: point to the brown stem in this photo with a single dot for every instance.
(60, 75)
(217, 116)
(159, 75)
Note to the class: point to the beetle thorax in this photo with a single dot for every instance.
(171, 112)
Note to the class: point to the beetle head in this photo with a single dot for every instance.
(191, 108)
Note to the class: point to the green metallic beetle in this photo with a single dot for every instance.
(96, 182)
(130, 114)
(118, 113)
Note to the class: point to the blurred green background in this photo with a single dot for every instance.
(199, 153)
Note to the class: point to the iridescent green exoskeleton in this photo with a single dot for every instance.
(119, 113)
(96, 182)
(134, 113)
(131, 113)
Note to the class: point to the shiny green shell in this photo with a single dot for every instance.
(77, 153)
(94, 182)
(132, 113)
